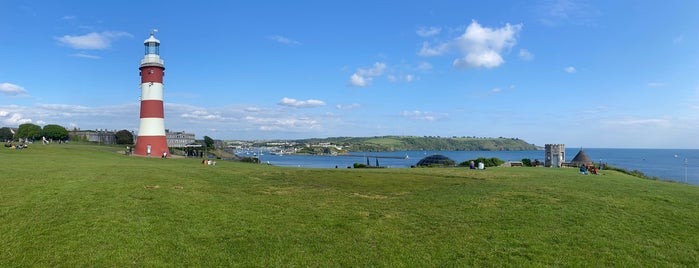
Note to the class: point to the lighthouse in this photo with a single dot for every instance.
(151, 131)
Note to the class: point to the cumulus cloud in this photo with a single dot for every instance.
(363, 77)
(13, 119)
(428, 31)
(284, 40)
(525, 55)
(570, 70)
(300, 104)
(11, 89)
(94, 40)
(480, 47)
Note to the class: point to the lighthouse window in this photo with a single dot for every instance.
(152, 48)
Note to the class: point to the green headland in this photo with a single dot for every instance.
(82, 205)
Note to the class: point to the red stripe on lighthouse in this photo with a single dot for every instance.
(152, 109)
(152, 74)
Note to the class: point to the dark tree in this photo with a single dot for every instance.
(6, 134)
(124, 137)
(29, 131)
(209, 142)
(55, 132)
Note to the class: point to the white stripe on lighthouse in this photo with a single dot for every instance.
(151, 127)
(151, 91)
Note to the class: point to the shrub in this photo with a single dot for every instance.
(488, 162)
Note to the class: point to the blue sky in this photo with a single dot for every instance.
(617, 74)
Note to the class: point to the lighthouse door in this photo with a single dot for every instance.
(148, 149)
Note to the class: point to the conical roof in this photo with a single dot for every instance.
(581, 158)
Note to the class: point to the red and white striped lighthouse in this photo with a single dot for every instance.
(151, 131)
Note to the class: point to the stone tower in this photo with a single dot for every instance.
(555, 155)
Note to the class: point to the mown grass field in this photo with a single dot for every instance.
(80, 205)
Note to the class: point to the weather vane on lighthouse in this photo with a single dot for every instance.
(151, 131)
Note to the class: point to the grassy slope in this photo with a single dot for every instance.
(72, 205)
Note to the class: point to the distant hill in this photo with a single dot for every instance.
(399, 143)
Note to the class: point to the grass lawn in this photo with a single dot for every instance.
(82, 205)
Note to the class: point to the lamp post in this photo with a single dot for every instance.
(685, 170)
(684, 163)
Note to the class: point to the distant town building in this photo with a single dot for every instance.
(98, 136)
(555, 155)
(179, 139)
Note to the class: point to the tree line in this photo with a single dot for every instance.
(51, 132)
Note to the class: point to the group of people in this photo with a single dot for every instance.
(588, 169)
(208, 162)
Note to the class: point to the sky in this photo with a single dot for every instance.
(595, 74)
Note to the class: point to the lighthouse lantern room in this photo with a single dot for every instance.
(151, 139)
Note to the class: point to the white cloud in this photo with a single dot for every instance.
(652, 122)
(407, 78)
(525, 55)
(284, 40)
(348, 107)
(496, 90)
(11, 89)
(300, 104)
(94, 40)
(358, 81)
(86, 56)
(13, 119)
(422, 116)
(424, 66)
(363, 77)
(482, 46)
(554, 12)
(201, 115)
(570, 70)
(427, 32)
(281, 123)
(437, 50)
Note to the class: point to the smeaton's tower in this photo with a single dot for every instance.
(151, 131)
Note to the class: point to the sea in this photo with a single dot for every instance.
(679, 165)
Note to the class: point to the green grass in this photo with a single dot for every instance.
(79, 205)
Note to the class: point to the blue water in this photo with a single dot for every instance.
(667, 164)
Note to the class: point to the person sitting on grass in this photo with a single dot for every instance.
(583, 169)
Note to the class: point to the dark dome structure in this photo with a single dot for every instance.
(436, 160)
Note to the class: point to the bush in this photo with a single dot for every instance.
(488, 162)
(359, 165)
(526, 162)
(248, 159)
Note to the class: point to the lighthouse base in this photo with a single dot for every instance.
(155, 146)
